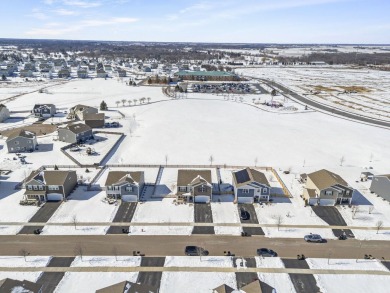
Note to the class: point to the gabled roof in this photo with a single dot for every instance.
(38, 106)
(94, 116)
(186, 177)
(115, 177)
(128, 287)
(223, 289)
(248, 175)
(22, 133)
(199, 180)
(253, 287)
(78, 127)
(49, 177)
(323, 179)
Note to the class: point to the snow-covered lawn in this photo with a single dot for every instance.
(225, 212)
(191, 282)
(71, 230)
(29, 276)
(226, 230)
(11, 203)
(269, 262)
(18, 261)
(281, 282)
(352, 283)
(194, 261)
(164, 211)
(92, 281)
(346, 264)
(160, 230)
(284, 232)
(107, 261)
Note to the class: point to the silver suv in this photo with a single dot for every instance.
(313, 238)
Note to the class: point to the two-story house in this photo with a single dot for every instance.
(75, 133)
(79, 111)
(250, 186)
(4, 113)
(326, 188)
(21, 141)
(44, 110)
(125, 185)
(53, 185)
(194, 185)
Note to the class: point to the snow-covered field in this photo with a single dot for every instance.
(346, 264)
(160, 230)
(107, 261)
(204, 261)
(191, 282)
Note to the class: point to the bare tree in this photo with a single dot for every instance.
(211, 159)
(166, 160)
(370, 209)
(115, 253)
(129, 102)
(123, 102)
(355, 209)
(342, 160)
(304, 162)
(379, 225)
(74, 221)
(278, 220)
(148, 100)
(329, 255)
(371, 157)
(24, 253)
(78, 250)
(135, 101)
(117, 103)
(256, 162)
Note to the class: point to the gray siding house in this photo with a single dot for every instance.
(78, 112)
(21, 141)
(250, 186)
(380, 185)
(4, 113)
(75, 133)
(49, 185)
(124, 185)
(194, 185)
(44, 110)
(326, 188)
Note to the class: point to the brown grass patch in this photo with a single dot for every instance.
(39, 129)
(359, 89)
(323, 88)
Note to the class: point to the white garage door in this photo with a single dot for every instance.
(54, 197)
(313, 201)
(202, 198)
(129, 198)
(245, 199)
(327, 202)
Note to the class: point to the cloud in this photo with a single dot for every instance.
(82, 4)
(197, 7)
(38, 14)
(111, 21)
(65, 12)
(49, 2)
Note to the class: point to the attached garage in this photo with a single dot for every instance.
(202, 198)
(245, 199)
(54, 197)
(327, 202)
(129, 198)
(313, 201)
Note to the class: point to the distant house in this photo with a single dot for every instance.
(26, 73)
(318, 63)
(4, 113)
(147, 69)
(128, 287)
(121, 73)
(21, 141)
(194, 185)
(126, 186)
(95, 120)
(224, 289)
(82, 73)
(30, 66)
(250, 186)
(44, 110)
(15, 286)
(64, 73)
(326, 188)
(380, 185)
(107, 67)
(48, 185)
(207, 75)
(75, 133)
(47, 72)
(100, 73)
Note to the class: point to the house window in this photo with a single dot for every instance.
(129, 188)
(328, 192)
(53, 187)
(29, 187)
(183, 189)
(40, 187)
(265, 190)
(245, 191)
(35, 187)
(202, 189)
(347, 192)
(109, 188)
(16, 142)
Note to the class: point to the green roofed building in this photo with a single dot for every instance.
(207, 75)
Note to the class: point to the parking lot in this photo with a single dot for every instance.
(234, 88)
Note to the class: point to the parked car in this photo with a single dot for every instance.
(195, 251)
(266, 252)
(244, 215)
(313, 238)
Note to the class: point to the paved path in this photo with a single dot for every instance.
(194, 269)
(326, 108)
(96, 245)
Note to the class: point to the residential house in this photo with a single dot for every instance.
(75, 133)
(194, 185)
(380, 185)
(94, 120)
(79, 112)
(326, 188)
(47, 72)
(64, 73)
(124, 185)
(121, 73)
(100, 73)
(21, 141)
(44, 110)
(14, 286)
(50, 185)
(223, 289)
(128, 287)
(250, 186)
(147, 69)
(26, 73)
(82, 73)
(4, 113)
(107, 67)
(30, 66)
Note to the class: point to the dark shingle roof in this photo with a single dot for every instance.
(21, 132)
(78, 127)
(186, 177)
(248, 175)
(119, 176)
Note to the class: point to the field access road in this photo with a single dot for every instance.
(71, 245)
(323, 107)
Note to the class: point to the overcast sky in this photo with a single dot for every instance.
(233, 21)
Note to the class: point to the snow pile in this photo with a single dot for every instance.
(196, 261)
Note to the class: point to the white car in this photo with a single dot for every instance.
(313, 238)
